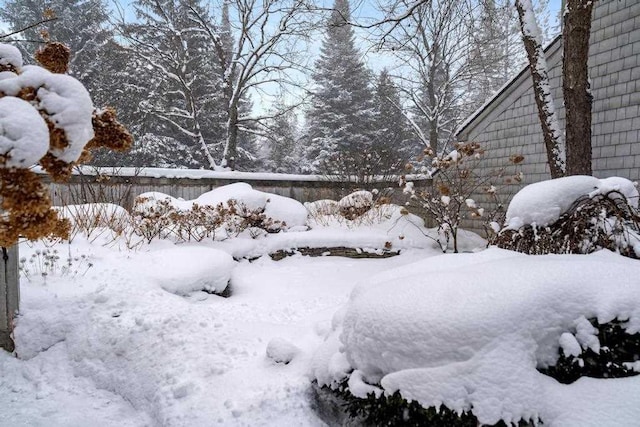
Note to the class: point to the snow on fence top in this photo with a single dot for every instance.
(229, 175)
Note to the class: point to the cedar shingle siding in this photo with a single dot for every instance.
(509, 124)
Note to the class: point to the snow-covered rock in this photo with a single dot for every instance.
(183, 270)
(281, 351)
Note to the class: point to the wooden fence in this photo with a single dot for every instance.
(121, 188)
(9, 295)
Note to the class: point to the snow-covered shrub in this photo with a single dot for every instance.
(226, 211)
(94, 219)
(46, 118)
(456, 178)
(361, 208)
(596, 350)
(575, 214)
(394, 410)
(471, 331)
(354, 205)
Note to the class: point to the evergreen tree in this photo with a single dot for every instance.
(80, 24)
(392, 144)
(183, 98)
(341, 120)
(282, 144)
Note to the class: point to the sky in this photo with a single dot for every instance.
(363, 11)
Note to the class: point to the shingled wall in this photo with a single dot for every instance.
(509, 123)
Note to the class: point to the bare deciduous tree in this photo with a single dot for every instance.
(541, 88)
(264, 51)
(575, 86)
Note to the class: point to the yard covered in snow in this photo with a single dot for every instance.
(139, 337)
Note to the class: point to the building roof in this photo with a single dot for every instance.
(504, 91)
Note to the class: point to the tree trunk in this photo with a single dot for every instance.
(541, 88)
(575, 86)
(232, 138)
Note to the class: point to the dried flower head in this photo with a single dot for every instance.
(54, 56)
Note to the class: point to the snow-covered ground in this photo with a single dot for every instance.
(120, 337)
(118, 345)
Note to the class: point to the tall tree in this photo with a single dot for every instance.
(80, 24)
(263, 49)
(542, 90)
(575, 86)
(341, 119)
(392, 146)
(434, 40)
(183, 97)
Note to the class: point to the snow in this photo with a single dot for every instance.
(542, 203)
(10, 55)
(183, 271)
(281, 351)
(64, 100)
(24, 135)
(115, 346)
(138, 339)
(469, 330)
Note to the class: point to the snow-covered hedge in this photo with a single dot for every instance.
(225, 211)
(469, 332)
(575, 214)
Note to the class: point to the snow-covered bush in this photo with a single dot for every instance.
(226, 211)
(575, 214)
(46, 118)
(456, 178)
(596, 350)
(360, 208)
(354, 205)
(470, 332)
(94, 219)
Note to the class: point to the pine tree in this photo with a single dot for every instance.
(184, 96)
(341, 120)
(80, 24)
(283, 143)
(392, 144)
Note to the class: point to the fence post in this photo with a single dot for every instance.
(9, 295)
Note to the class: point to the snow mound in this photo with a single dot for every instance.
(183, 270)
(10, 56)
(544, 202)
(24, 135)
(468, 331)
(281, 351)
(283, 209)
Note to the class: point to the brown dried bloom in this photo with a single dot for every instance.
(516, 158)
(58, 169)
(108, 132)
(27, 207)
(54, 56)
